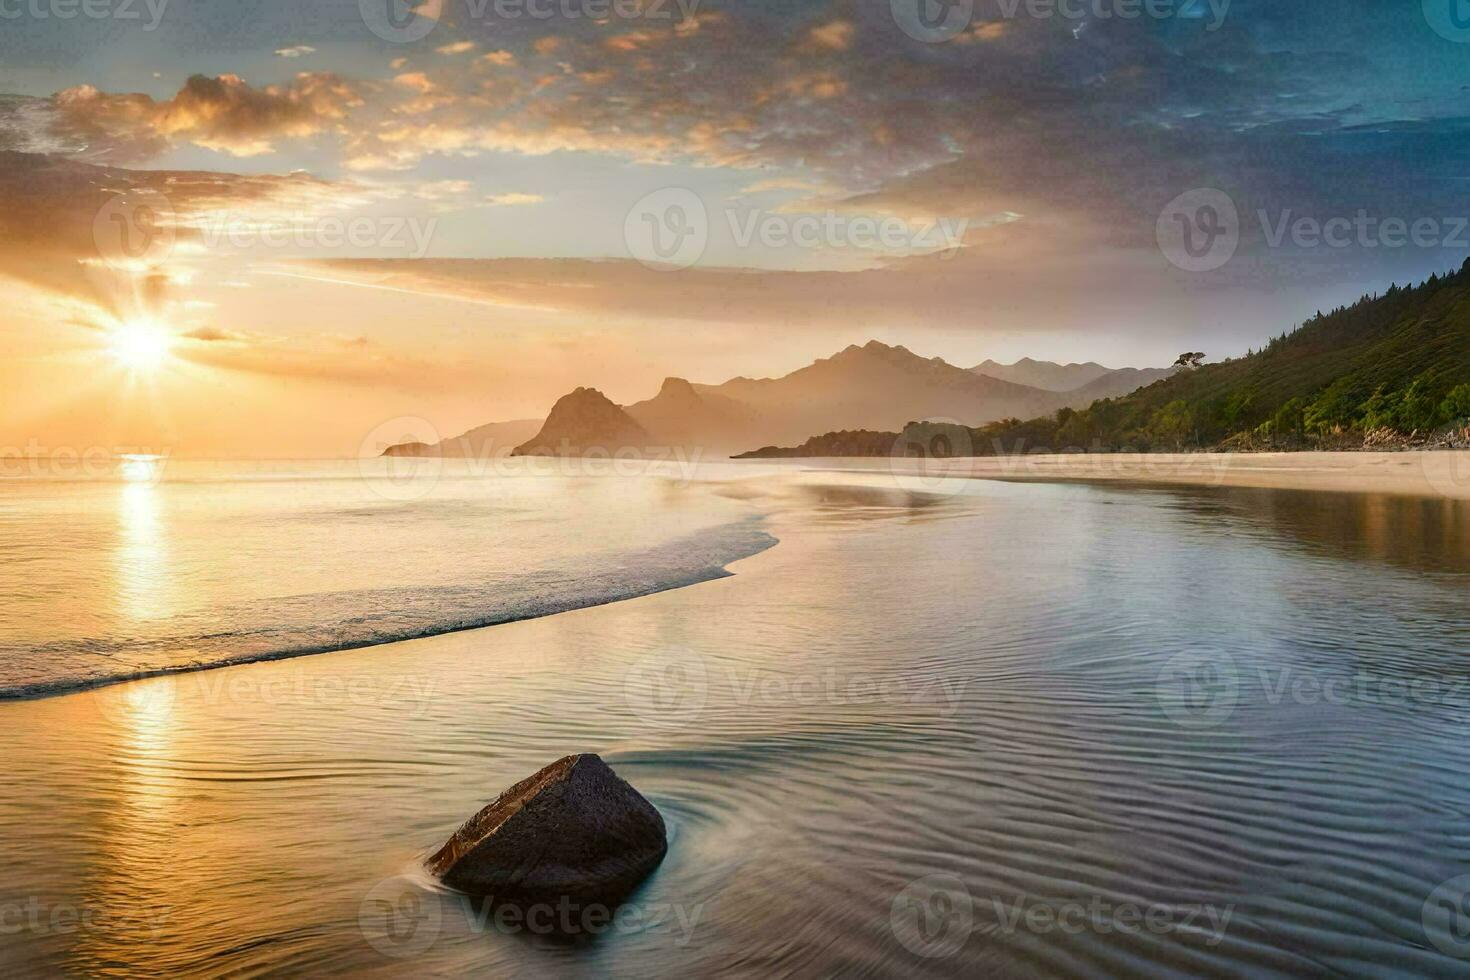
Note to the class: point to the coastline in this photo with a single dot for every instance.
(1433, 473)
(736, 547)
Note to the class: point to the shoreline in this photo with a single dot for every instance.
(1419, 473)
(1437, 474)
(44, 690)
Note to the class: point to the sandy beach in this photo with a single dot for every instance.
(1419, 474)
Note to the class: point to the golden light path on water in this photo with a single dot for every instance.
(142, 555)
(820, 731)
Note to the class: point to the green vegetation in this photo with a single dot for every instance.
(1399, 363)
(1390, 369)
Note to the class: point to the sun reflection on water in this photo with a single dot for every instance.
(142, 556)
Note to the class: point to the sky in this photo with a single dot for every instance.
(265, 227)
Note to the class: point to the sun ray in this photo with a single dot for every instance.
(140, 344)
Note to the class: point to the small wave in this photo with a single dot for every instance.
(312, 624)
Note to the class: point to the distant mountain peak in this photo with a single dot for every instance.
(677, 388)
(1047, 375)
(582, 420)
(876, 348)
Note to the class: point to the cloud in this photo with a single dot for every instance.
(512, 199)
(416, 80)
(458, 47)
(120, 241)
(223, 113)
(834, 36)
(296, 51)
(216, 335)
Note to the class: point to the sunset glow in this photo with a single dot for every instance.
(140, 345)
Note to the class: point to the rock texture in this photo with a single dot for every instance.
(574, 830)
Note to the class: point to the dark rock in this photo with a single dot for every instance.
(583, 422)
(574, 830)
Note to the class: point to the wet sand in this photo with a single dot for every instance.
(1417, 474)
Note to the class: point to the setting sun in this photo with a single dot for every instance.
(140, 344)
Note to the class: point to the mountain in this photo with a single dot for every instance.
(481, 442)
(409, 449)
(873, 386)
(1046, 375)
(586, 420)
(1123, 381)
(1085, 383)
(682, 415)
(1390, 369)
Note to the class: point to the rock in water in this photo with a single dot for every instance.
(573, 830)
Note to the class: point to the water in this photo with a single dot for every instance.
(998, 730)
(142, 566)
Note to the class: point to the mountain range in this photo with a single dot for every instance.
(871, 386)
(1389, 370)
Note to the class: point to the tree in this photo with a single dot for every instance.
(1456, 405)
(1190, 359)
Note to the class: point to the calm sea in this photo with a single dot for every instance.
(126, 568)
(988, 729)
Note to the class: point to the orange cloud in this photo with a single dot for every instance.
(836, 36)
(223, 113)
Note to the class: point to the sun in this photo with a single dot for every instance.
(141, 345)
